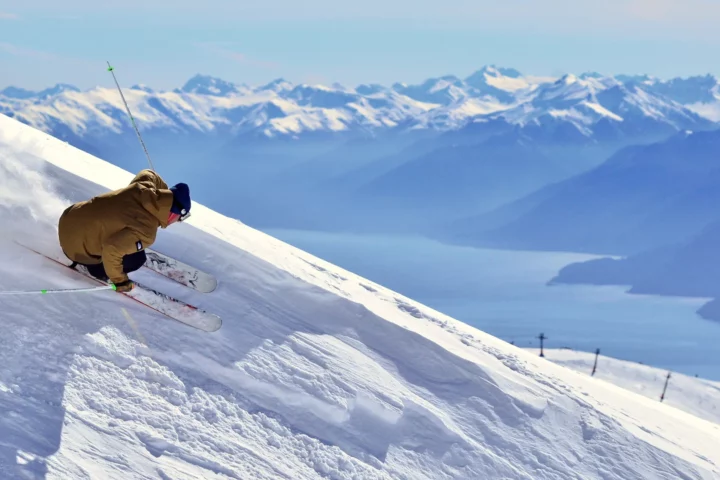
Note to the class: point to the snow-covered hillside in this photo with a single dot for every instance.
(316, 373)
(206, 104)
(697, 396)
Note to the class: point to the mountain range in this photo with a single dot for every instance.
(374, 157)
(589, 103)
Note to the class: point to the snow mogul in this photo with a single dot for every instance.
(108, 234)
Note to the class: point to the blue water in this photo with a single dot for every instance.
(505, 294)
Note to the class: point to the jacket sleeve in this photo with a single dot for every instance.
(115, 248)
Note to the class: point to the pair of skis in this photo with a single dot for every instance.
(169, 306)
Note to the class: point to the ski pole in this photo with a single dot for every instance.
(60, 290)
(132, 120)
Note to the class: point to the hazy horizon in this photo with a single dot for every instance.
(158, 44)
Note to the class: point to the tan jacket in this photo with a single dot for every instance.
(112, 225)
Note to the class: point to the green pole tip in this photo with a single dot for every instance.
(114, 287)
(43, 291)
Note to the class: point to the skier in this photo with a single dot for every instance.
(108, 234)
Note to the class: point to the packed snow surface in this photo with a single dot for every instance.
(316, 373)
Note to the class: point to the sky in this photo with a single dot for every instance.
(162, 43)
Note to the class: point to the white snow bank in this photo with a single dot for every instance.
(316, 373)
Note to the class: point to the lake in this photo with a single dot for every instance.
(504, 293)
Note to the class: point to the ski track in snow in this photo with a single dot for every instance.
(316, 374)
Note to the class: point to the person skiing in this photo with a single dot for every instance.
(108, 234)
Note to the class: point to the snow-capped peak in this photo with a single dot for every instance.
(370, 89)
(566, 88)
(207, 85)
(495, 71)
(17, 93)
(641, 79)
(570, 87)
(501, 83)
(142, 88)
(444, 90)
(277, 85)
(23, 94)
(618, 109)
(587, 75)
(320, 96)
(567, 79)
(57, 89)
(693, 90)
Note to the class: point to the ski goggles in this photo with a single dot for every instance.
(178, 217)
(184, 215)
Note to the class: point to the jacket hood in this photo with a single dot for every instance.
(160, 208)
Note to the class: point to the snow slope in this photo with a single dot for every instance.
(316, 373)
(697, 396)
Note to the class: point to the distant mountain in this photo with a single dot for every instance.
(322, 97)
(370, 89)
(686, 91)
(206, 85)
(17, 93)
(457, 101)
(642, 197)
(471, 177)
(506, 85)
(565, 128)
(701, 94)
(22, 94)
(462, 145)
(56, 90)
(442, 91)
(142, 88)
(641, 79)
(603, 109)
(591, 106)
(206, 104)
(278, 85)
(690, 268)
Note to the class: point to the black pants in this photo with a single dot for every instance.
(131, 263)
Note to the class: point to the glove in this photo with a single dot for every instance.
(123, 287)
